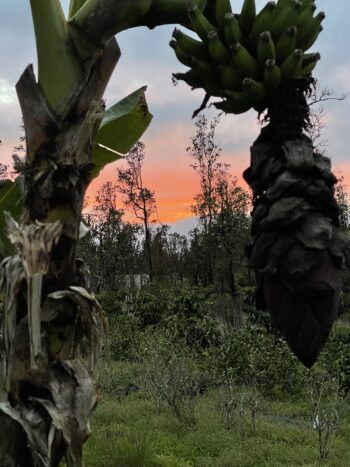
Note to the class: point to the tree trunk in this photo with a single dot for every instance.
(298, 250)
(149, 251)
(50, 318)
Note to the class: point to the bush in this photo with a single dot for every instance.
(252, 354)
(124, 326)
(335, 357)
(168, 374)
(239, 406)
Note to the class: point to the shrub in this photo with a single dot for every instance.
(335, 357)
(253, 354)
(325, 403)
(124, 326)
(238, 406)
(168, 374)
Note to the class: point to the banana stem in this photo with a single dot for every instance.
(34, 286)
(102, 19)
(75, 6)
(58, 64)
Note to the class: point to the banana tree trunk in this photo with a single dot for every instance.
(298, 250)
(50, 317)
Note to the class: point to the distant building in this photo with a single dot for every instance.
(135, 281)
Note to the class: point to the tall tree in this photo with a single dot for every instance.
(206, 155)
(222, 208)
(47, 393)
(137, 197)
(111, 247)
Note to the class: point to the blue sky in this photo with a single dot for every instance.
(147, 59)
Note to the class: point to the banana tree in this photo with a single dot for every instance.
(51, 325)
(261, 60)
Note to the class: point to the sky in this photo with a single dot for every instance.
(148, 60)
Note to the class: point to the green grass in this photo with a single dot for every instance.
(128, 433)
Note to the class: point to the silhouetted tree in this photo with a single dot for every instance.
(137, 197)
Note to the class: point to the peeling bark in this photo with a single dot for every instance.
(51, 323)
(297, 250)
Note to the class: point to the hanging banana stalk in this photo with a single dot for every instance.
(297, 249)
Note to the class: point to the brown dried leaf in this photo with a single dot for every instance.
(298, 155)
(33, 243)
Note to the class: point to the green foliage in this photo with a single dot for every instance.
(285, 437)
(253, 355)
(169, 374)
(151, 305)
(121, 127)
(124, 326)
(239, 407)
(335, 357)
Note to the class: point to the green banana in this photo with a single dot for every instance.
(254, 90)
(232, 31)
(305, 17)
(230, 77)
(308, 66)
(231, 106)
(217, 50)
(286, 44)
(190, 46)
(272, 75)
(306, 3)
(213, 89)
(204, 70)
(200, 23)
(281, 5)
(191, 78)
(263, 20)
(286, 18)
(310, 58)
(247, 16)
(307, 37)
(180, 54)
(290, 68)
(311, 40)
(266, 48)
(222, 7)
(245, 62)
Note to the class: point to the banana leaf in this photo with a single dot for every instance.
(121, 127)
(11, 200)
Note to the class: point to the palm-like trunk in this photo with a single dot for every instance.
(50, 319)
(48, 397)
(297, 250)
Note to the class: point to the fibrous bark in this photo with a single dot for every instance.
(51, 326)
(298, 250)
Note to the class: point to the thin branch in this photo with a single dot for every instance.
(324, 99)
(325, 94)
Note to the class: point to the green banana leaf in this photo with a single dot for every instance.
(121, 127)
(11, 200)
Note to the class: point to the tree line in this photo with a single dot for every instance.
(212, 254)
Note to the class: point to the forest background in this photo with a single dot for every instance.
(148, 59)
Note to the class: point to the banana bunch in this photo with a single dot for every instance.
(244, 57)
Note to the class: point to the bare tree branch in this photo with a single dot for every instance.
(325, 94)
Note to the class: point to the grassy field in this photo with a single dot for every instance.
(127, 432)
